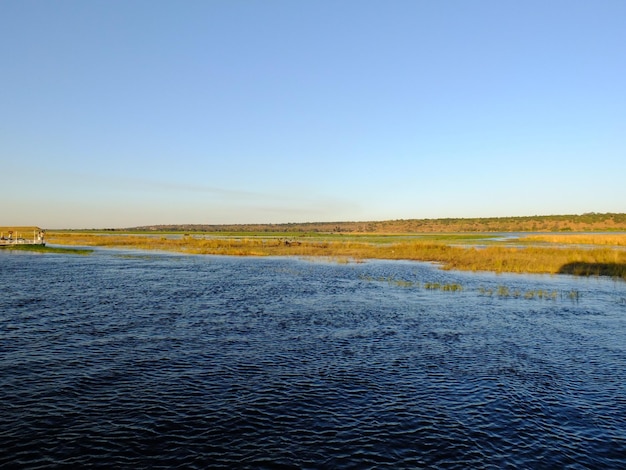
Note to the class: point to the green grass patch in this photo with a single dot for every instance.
(49, 249)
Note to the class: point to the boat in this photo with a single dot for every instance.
(10, 236)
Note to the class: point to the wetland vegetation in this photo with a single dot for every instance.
(601, 254)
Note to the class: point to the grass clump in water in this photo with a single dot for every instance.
(574, 295)
(451, 287)
(432, 286)
(503, 291)
(485, 291)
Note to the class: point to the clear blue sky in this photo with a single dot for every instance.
(123, 113)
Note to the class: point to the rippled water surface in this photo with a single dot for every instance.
(139, 360)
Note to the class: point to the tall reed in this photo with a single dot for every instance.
(617, 239)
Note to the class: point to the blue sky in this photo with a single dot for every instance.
(123, 113)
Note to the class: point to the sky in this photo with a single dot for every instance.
(119, 113)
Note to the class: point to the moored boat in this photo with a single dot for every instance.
(21, 236)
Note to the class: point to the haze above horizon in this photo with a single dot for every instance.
(119, 114)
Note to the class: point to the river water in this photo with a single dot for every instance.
(124, 359)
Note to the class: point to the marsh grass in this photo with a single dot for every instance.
(573, 295)
(504, 292)
(497, 258)
(501, 291)
(602, 239)
(432, 286)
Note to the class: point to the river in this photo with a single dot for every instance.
(128, 359)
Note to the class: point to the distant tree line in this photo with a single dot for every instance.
(591, 221)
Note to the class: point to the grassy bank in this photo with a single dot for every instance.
(442, 249)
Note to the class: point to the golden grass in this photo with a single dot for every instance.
(531, 259)
(579, 239)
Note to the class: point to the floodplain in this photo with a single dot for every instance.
(584, 254)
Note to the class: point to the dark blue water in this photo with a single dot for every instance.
(138, 360)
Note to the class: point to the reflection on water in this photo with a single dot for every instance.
(135, 360)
